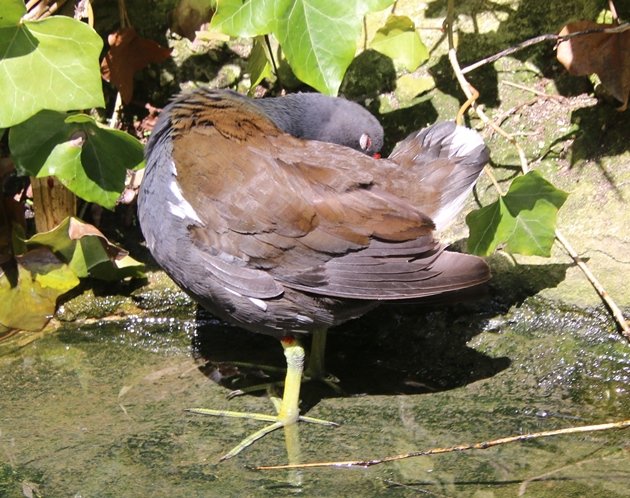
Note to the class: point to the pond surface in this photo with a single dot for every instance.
(96, 410)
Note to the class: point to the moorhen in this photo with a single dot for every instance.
(273, 215)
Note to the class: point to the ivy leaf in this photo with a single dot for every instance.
(89, 159)
(318, 37)
(48, 64)
(258, 65)
(484, 225)
(319, 41)
(87, 251)
(524, 219)
(399, 41)
(247, 18)
(12, 12)
(29, 292)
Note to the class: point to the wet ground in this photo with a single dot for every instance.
(97, 409)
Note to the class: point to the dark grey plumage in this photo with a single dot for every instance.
(314, 116)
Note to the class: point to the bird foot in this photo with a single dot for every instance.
(277, 421)
(288, 412)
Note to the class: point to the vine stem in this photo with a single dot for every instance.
(472, 94)
(612, 306)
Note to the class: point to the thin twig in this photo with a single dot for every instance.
(509, 51)
(115, 119)
(273, 59)
(41, 9)
(613, 11)
(468, 89)
(488, 171)
(451, 449)
(365, 33)
(123, 14)
(541, 38)
(612, 306)
(535, 92)
(512, 110)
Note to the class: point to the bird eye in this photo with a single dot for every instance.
(365, 142)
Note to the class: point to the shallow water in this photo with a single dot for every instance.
(97, 409)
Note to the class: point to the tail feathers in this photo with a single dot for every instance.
(446, 159)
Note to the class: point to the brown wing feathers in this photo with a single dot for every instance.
(317, 217)
(445, 161)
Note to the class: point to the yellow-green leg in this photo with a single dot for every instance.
(288, 408)
(315, 368)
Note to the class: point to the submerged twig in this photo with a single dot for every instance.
(451, 449)
(522, 489)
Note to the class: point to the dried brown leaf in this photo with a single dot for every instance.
(605, 54)
(129, 53)
(78, 229)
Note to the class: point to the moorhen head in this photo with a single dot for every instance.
(269, 214)
(314, 116)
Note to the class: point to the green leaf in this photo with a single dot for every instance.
(527, 190)
(319, 41)
(247, 18)
(524, 219)
(48, 64)
(90, 159)
(87, 251)
(533, 232)
(258, 64)
(57, 240)
(28, 295)
(399, 40)
(318, 37)
(484, 224)
(11, 13)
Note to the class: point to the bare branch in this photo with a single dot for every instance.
(538, 39)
